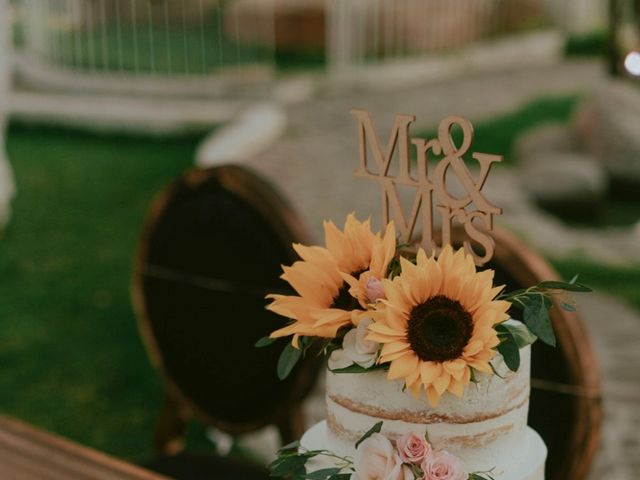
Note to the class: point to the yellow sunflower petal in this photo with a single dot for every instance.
(389, 348)
(402, 367)
(481, 366)
(432, 395)
(441, 383)
(390, 357)
(456, 387)
(429, 371)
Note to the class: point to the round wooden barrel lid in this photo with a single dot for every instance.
(211, 249)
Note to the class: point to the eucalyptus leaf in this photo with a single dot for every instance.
(536, 318)
(265, 342)
(520, 333)
(567, 286)
(480, 476)
(323, 473)
(290, 446)
(375, 429)
(285, 466)
(312, 453)
(299, 474)
(495, 372)
(509, 350)
(288, 359)
(355, 368)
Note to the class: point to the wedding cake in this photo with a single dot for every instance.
(427, 374)
(486, 428)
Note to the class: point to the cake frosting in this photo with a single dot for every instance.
(489, 420)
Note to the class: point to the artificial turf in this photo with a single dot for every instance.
(71, 360)
(498, 134)
(619, 280)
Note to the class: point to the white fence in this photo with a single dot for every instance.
(361, 31)
(160, 41)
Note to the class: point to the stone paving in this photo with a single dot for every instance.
(313, 164)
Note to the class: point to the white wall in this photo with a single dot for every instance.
(7, 185)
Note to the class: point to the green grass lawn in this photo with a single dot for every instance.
(70, 355)
(621, 281)
(497, 135)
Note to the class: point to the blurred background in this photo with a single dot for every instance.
(103, 102)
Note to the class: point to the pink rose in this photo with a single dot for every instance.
(443, 466)
(376, 459)
(413, 448)
(374, 289)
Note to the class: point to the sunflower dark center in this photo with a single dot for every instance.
(343, 299)
(439, 329)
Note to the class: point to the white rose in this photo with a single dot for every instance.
(376, 459)
(339, 359)
(356, 348)
(362, 351)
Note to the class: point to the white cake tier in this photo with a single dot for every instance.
(486, 428)
(530, 466)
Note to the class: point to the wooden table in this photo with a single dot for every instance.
(30, 454)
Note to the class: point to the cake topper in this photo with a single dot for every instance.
(472, 210)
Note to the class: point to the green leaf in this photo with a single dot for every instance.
(495, 372)
(264, 342)
(513, 293)
(480, 476)
(285, 466)
(312, 453)
(520, 333)
(290, 446)
(375, 429)
(355, 368)
(340, 476)
(509, 350)
(288, 359)
(536, 318)
(567, 286)
(323, 474)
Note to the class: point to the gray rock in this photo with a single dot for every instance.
(553, 137)
(609, 125)
(569, 184)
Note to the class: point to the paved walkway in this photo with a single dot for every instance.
(313, 164)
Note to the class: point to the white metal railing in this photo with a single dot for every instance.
(152, 39)
(366, 31)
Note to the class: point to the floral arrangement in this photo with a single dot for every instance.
(412, 457)
(432, 322)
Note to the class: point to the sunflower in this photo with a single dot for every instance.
(437, 323)
(326, 279)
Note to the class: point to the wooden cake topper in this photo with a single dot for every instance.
(472, 210)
